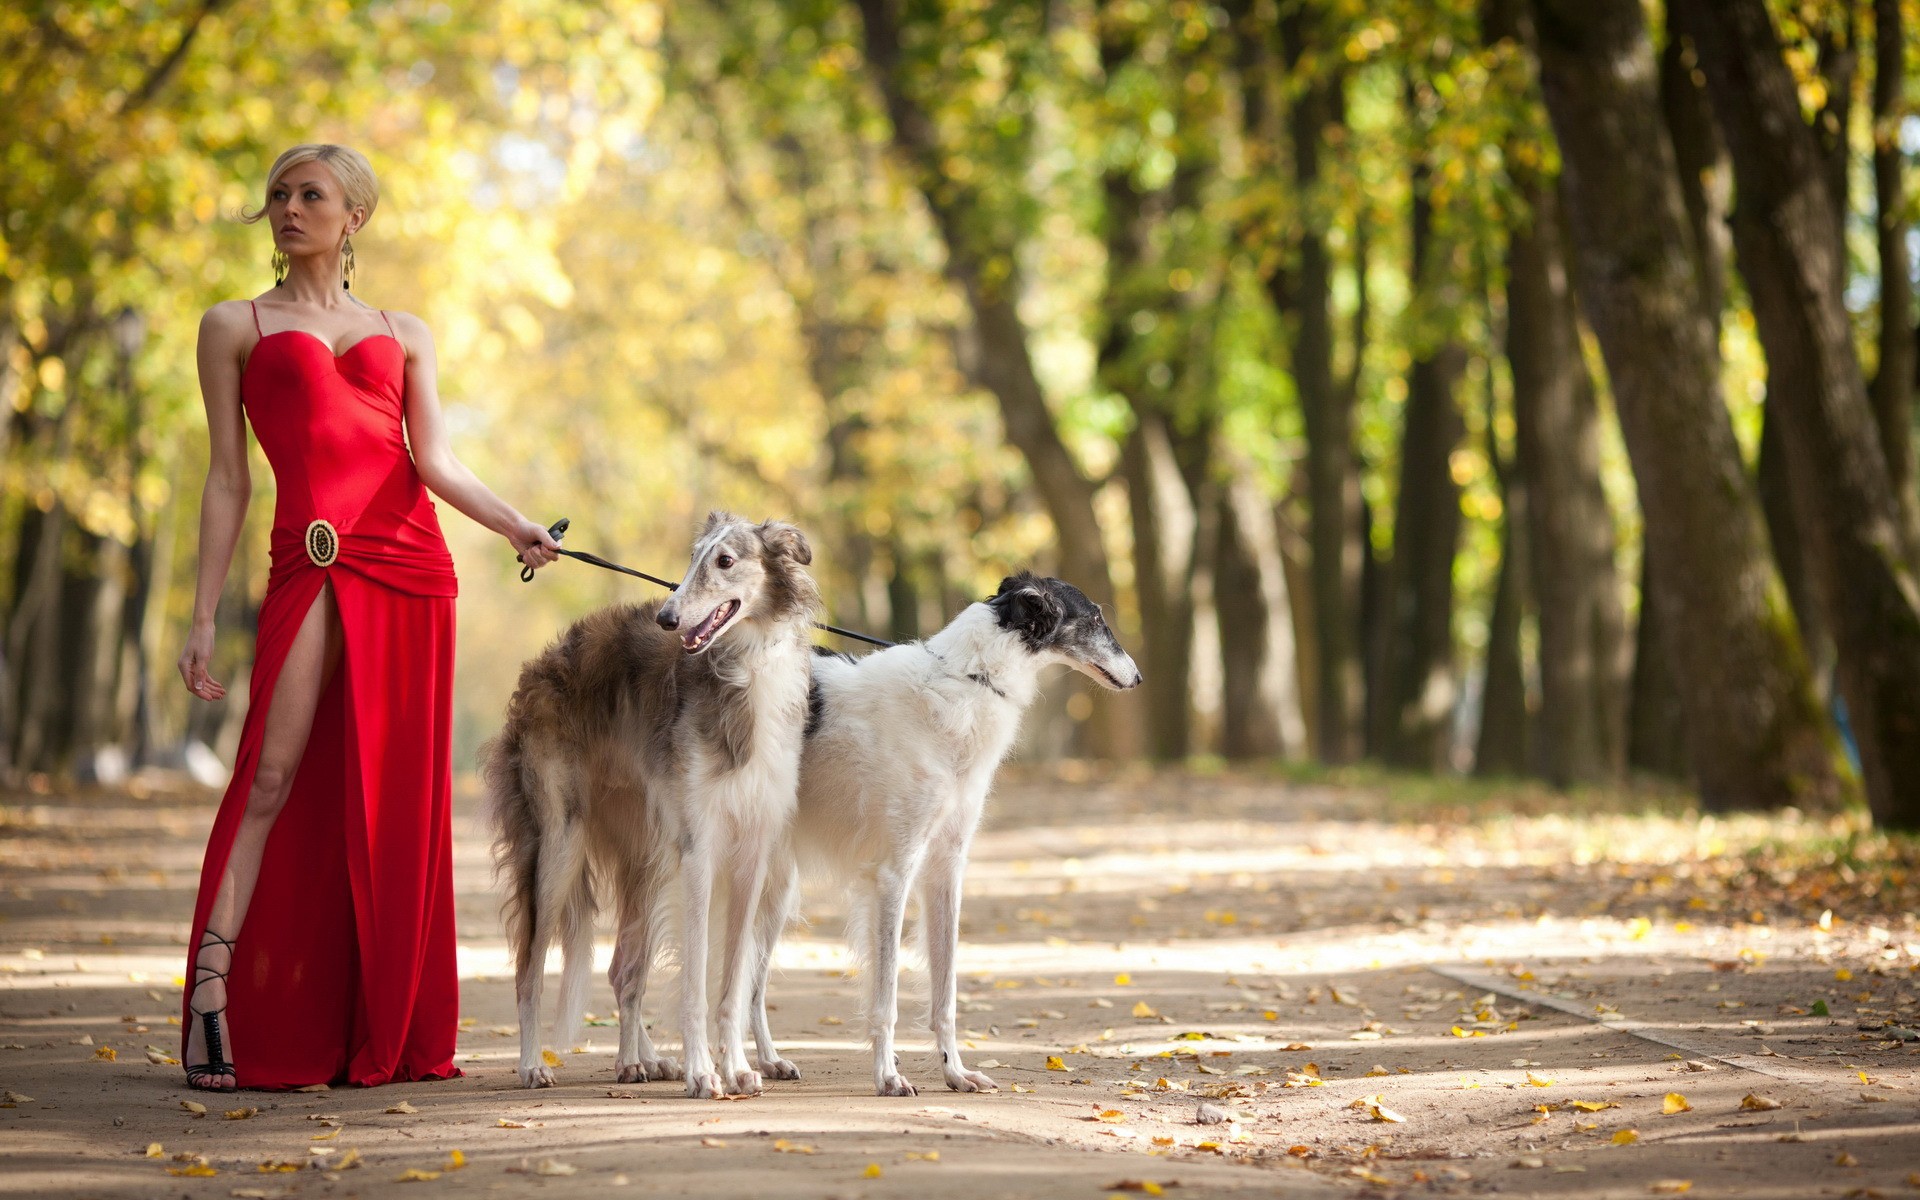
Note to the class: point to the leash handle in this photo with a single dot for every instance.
(556, 531)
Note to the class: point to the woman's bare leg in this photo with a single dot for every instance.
(310, 664)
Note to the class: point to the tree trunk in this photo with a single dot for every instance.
(1415, 671)
(1506, 734)
(1163, 558)
(1570, 526)
(98, 637)
(1657, 729)
(1571, 539)
(1853, 529)
(1892, 391)
(1706, 177)
(1260, 706)
(1333, 480)
(993, 351)
(1755, 736)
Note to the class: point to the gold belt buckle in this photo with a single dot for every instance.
(323, 543)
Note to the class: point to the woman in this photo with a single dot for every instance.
(323, 945)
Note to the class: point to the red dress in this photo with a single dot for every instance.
(344, 969)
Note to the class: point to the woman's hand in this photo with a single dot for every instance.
(194, 660)
(533, 544)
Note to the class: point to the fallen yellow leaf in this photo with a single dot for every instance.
(1843, 975)
(551, 1059)
(1753, 1103)
(783, 1146)
(1670, 1187)
(239, 1114)
(455, 1160)
(1142, 1009)
(1123, 980)
(403, 1108)
(1675, 1103)
(416, 1175)
(1593, 1105)
(713, 1143)
(1844, 1159)
(105, 1053)
(917, 1156)
(1625, 1137)
(195, 1107)
(1111, 1116)
(156, 1150)
(1535, 1081)
(1055, 1063)
(872, 1171)
(201, 1170)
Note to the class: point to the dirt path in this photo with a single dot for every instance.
(1522, 993)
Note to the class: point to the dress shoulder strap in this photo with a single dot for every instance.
(256, 317)
(389, 321)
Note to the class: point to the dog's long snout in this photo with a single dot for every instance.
(667, 619)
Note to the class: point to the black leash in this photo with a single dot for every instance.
(558, 530)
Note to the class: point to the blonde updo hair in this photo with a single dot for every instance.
(351, 167)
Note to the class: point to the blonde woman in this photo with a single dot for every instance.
(323, 938)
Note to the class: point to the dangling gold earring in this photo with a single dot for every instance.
(280, 267)
(347, 265)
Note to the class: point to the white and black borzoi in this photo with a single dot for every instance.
(901, 750)
(649, 740)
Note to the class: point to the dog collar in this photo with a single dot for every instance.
(987, 683)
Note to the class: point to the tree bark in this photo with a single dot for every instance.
(1333, 480)
(1854, 531)
(1163, 558)
(1415, 670)
(1571, 542)
(1657, 727)
(1892, 391)
(1571, 539)
(1755, 736)
(1504, 747)
(1260, 713)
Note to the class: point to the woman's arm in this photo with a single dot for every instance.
(445, 475)
(223, 501)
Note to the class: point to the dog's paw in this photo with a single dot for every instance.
(778, 1068)
(970, 1081)
(704, 1085)
(893, 1084)
(663, 1067)
(537, 1077)
(745, 1083)
(644, 1070)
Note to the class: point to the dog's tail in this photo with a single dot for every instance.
(540, 852)
(514, 815)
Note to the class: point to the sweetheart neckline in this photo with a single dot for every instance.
(318, 341)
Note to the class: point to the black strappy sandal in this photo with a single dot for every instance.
(210, 1020)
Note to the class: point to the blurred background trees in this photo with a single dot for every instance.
(1514, 386)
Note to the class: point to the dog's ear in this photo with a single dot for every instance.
(715, 519)
(786, 539)
(1030, 610)
(1014, 583)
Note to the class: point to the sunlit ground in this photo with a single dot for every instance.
(1379, 983)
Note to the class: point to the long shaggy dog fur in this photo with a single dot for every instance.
(901, 751)
(651, 741)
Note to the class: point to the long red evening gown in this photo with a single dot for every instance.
(344, 969)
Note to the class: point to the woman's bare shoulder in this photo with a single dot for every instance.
(408, 325)
(228, 321)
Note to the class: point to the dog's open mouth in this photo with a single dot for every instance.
(697, 639)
